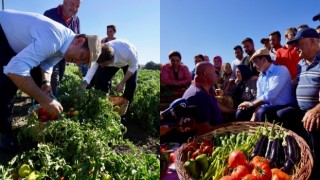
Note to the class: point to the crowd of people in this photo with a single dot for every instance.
(278, 83)
(34, 49)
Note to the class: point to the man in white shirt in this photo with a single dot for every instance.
(115, 54)
(28, 40)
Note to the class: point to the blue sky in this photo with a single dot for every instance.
(136, 21)
(214, 27)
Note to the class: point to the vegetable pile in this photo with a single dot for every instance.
(265, 154)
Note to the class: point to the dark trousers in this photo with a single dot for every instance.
(103, 76)
(57, 75)
(266, 111)
(8, 89)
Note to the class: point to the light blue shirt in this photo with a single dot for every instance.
(36, 39)
(274, 87)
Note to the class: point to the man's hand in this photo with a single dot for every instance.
(244, 105)
(83, 85)
(311, 120)
(54, 107)
(119, 87)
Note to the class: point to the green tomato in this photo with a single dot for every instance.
(24, 170)
(106, 177)
(32, 176)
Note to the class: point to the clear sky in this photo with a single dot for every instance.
(213, 27)
(137, 21)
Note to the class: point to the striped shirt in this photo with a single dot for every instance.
(309, 84)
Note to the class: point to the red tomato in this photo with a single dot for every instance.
(237, 158)
(43, 118)
(249, 177)
(41, 111)
(195, 154)
(172, 157)
(239, 172)
(262, 171)
(258, 159)
(53, 117)
(227, 178)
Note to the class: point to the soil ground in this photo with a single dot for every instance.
(139, 136)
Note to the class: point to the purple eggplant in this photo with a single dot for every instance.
(293, 154)
(259, 145)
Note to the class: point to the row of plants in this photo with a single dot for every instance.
(86, 140)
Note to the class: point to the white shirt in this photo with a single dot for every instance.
(36, 39)
(234, 65)
(125, 53)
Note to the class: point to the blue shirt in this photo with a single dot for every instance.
(308, 88)
(207, 105)
(56, 14)
(274, 87)
(36, 39)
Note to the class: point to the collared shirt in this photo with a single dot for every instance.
(206, 104)
(125, 54)
(308, 88)
(181, 77)
(56, 14)
(274, 87)
(36, 39)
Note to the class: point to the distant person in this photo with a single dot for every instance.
(115, 55)
(288, 56)
(274, 90)
(302, 26)
(238, 52)
(226, 73)
(175, 73)
(275, 43)
(198, 58)
(206, 58)
(266, 43)
(249, 48)
(318, 29)
(66, 14)
(217, 62)
(111, 31)
(245, 88)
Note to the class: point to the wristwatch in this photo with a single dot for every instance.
(251, 104)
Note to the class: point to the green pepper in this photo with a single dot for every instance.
(202, 162)
(192, 168)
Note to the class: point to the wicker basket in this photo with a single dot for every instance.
(302, 170)
(120, 101)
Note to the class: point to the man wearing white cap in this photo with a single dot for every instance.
(28, 40)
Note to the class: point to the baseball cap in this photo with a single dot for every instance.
(94, 47)
(260, 52)
(305, 33)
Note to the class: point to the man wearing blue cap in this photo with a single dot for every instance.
(307, 116)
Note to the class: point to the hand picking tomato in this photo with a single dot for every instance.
(239, 172)
(237, 158)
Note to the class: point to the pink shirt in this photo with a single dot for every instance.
(168, 77)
